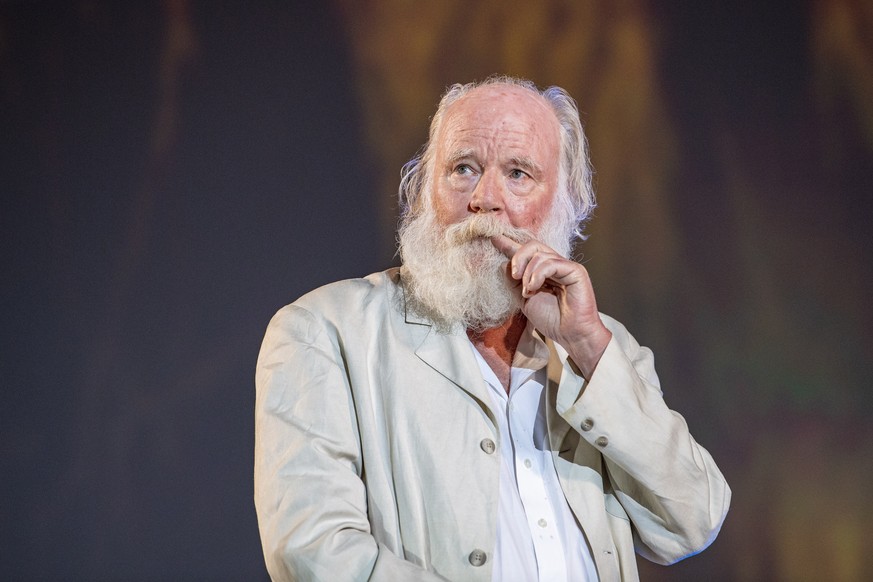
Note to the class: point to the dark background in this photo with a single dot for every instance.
(173, 173)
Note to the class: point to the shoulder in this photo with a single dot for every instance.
(345, 303)
(378, 287)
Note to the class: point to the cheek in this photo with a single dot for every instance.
(530, 213)
(448, 207)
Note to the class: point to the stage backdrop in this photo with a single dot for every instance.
(174, 172)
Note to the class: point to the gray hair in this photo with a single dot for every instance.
(575, 196)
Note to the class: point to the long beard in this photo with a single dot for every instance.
(455, 276)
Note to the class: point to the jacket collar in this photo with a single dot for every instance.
(449, 353)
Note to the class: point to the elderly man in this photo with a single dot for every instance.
(471, 415)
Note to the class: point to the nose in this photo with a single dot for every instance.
(487, 196)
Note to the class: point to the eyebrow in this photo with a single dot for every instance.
(458, 155)
(527, 164)
(524, 162)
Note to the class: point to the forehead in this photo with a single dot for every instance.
(513, 117)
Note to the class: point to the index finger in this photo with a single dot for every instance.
(505, 245)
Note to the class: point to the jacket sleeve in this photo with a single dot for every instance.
(669, 486)
(309, 495)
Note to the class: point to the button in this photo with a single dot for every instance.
(488, 446)
(527, 463)
(601, 441)
(478, 557)
(542, 523)
(587, 424)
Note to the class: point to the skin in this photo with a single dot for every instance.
(498, 150)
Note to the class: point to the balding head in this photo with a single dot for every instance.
(574, 196)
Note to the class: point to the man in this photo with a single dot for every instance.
(471, 415)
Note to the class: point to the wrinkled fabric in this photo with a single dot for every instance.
(369, 455)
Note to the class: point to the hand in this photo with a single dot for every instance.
(558, 300)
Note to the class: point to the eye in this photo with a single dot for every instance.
(463, 170)
(517, 174)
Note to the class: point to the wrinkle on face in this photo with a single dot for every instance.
(510, 139)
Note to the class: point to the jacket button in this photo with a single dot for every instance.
(601, 441)
(478, 557)
(488, 446)
(587, 424)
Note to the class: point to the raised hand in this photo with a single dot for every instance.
(559, 299)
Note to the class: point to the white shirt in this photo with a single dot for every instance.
(537, 535)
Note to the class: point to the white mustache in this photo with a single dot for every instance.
(484, 226)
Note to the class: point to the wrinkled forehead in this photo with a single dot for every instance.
(502, 108)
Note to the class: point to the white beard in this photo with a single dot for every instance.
(455, 276)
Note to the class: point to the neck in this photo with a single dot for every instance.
(498, 344)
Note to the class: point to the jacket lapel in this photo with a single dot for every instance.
(450, 354)
(556, 425)
(566, 442)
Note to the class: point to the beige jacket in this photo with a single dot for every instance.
(374, 456)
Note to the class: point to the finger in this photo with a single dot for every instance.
(549, 272)
(526, 252)
(537, 271)
(505, 245)
(539, 277)
(528, 256)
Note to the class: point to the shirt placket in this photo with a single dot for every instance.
(530, 470)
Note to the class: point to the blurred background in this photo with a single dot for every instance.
(172, 173)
